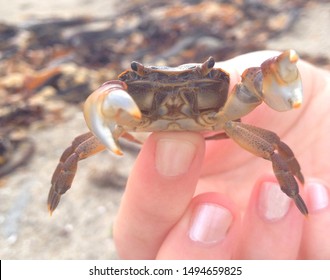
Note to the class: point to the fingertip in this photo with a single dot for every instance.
(212, 220)
(272, 203)
(208, 230)
(315, 242)
(210, 223)
(175, 152)
(272, 223)
(317, 195)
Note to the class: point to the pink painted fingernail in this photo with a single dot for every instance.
(174, 156)
(318, 195)
(273, 204)
(210, 224)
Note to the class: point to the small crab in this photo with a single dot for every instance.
(190, 97)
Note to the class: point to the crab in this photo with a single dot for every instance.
(190, 97)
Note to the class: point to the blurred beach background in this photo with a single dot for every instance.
(54, 53)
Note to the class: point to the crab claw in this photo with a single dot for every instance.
(282, 87)
(106, 107)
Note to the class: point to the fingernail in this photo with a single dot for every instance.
(174, 156)
(318, 196)
(273, 204)
(210, 223)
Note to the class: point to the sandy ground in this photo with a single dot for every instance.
(81, 227)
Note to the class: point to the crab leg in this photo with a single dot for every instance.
(264, 143)
(106, 108)
(82, 147)
(283, 149)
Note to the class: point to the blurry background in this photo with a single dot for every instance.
(54, 53)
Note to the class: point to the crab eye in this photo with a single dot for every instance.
(210, 62)
(138, 68)
(207, 66)
(134, 65)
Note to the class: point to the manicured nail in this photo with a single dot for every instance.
(174, 156)
(273, 204)
(210, 223)
(318, 196)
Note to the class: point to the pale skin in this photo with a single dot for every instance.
(187, 198)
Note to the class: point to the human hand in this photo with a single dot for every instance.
(187, 198)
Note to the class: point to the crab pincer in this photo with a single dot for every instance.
(107, 106)
(281, 82)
